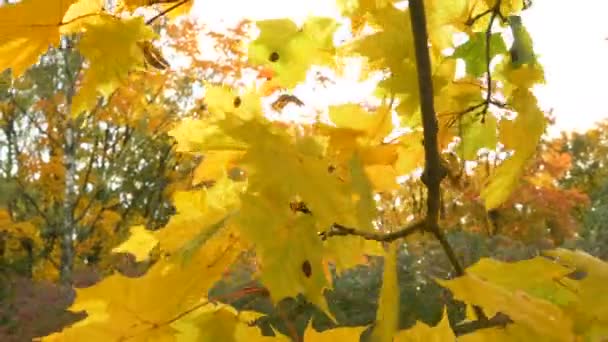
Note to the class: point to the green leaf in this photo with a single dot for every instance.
(477, 135)
(536, 277)
(522, 50)
(473, 52)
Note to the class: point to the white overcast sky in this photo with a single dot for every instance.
(569, 35)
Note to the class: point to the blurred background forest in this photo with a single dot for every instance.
(126, 172)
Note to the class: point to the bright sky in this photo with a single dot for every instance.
(569, 35)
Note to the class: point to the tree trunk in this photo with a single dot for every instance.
(68, 232)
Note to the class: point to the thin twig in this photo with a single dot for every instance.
(340, 230)
(495, 10)
(162, 13)
(499, 320)
(474, 19)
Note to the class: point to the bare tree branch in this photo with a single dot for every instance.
(434, 171)
(178, 4)
(340, 230)
(499, 320)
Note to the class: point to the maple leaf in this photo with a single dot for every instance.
(421, 332)
(175, 8)
(290, 51)
(139, 243)
(477, 134)
(590, 311)
(376, 124)
(387, 317)
(198, 213)
(473, 52)
(215, 165)
(27, 29)
(111, 47)
(337, 334)
(446, 19)
(81, 13)
(289, 248)
(220, 322)
(139, 308)
(521, 135)
(541, 316)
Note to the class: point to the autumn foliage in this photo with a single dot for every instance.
(164, 158)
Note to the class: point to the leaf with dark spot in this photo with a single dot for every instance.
(307, 268)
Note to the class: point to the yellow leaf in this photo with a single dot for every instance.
(445, 19)
(180, 7)
(543, 317)
(421, 332)
(387, 317)
(590, 312)
(411, 153)
(347, 251)
(534, 276)
(198, 135)
(144, 308)
(139, 243)
(509, 333)
(522, 135)
(366, 206)
(376, 124)
(27, 29)
(220, 322)
(289, 249)
(110, 46)
(222, 99)
(198, 212)
(338, 334)
(214, 165)
(183, 8)
(290, 51)
(385, 154)
(80, 13)
(501, 184)
(382, 177)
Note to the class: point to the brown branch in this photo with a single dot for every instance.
(87, 175)
(340, 230)
(474, 19)
(434, 171)
(495, 12)
(32, 201)
(169, 9)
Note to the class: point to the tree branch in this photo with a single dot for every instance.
(495, 12)
(153, 19)
(340, 230)
(434, 171)
(499, 320)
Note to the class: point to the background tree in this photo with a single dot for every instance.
(111, 144)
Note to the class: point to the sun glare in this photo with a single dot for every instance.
(572, 48)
